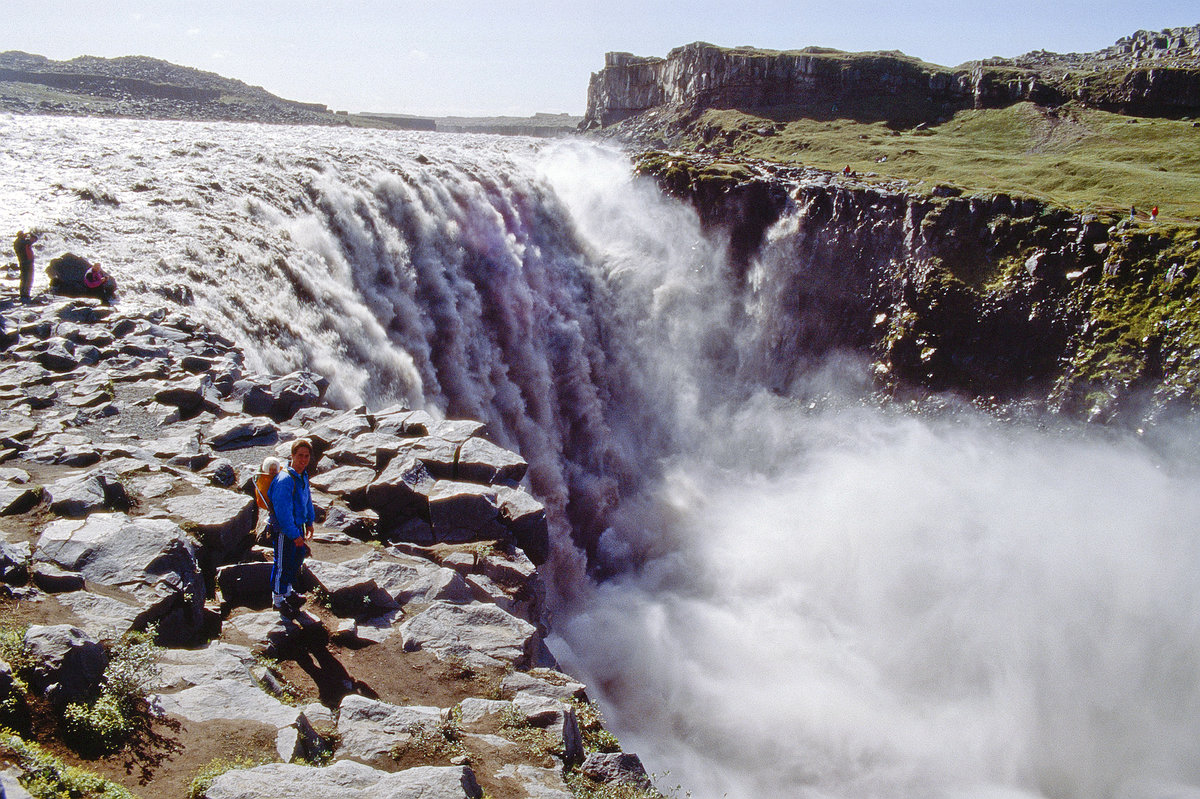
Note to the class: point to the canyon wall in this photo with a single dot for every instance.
(999, 299)
(1150, 74)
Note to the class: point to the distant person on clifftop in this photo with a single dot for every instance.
(291, 503)
(23, 246)
(1154, 213)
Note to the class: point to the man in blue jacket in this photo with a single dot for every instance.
(291, 502)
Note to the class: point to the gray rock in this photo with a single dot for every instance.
(482, 635)
(224, 520)
(228, 699)
(514, 570)
(437, 454)
(52, 579)
(235, 432)
(184, 668)
(19, 499)
(475, 710)
(622, 768)
(400, 421)
(10, 787)
(553, 685)
(347, 482)
(462, 512)
(359, 524)
(351, 591)
(67, 662)
(481, 461)
(456, 430)
(372, 450)
(525, 518)
(370, 729)
(537, 783)
(400, 492)
(411, 579)
(348, 425)
(102, 617)
(79, 495)
(345, 779)
(152, 560)
(14, 562)
(271, 634)
(557, 718)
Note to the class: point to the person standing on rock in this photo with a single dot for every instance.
(291, 501)
(23, 246)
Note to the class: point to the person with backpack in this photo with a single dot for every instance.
(23, 246)
(292, 511)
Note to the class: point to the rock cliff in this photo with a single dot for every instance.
(997, 298)
(1147, 73)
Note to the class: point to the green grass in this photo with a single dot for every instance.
(1072, 157)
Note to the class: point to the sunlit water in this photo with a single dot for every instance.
(808, 594)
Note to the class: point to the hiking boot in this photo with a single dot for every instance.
(294, 601)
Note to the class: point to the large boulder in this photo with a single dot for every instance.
(350, 591)
(79, 495)
(621, 768)
(411, 579)
(348, 482)
(400, 492)
(67, 662)
(481, 635)
(370, 729)
(556, 718)
(464, 512)
(151, 560)
(223, 520)
(525, 518)
(235, 432)
(280, 399)
(481, 461)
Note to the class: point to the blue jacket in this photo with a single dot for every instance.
(291, 502)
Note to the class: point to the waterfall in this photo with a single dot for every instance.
(795, 590)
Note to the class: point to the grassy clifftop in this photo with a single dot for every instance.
(1070, 156)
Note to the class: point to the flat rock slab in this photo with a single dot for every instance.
(345, 779)
(482, 635)
(369, 729)
(184, 668)
(228, 699)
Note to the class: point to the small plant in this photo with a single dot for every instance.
(537, 742)
(585, 787)
(443, 740)
(120, 710)
(591, 728)
(47, 777)
(12, 647)
(216, 767)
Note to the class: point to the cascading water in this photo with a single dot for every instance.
(805, 593)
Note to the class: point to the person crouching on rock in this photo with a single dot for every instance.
(99, 283)
(23, 246)
(291, 501)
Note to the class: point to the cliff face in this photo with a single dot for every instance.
(995, 298)
(1149, 74)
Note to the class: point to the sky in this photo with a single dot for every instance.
(449, 57)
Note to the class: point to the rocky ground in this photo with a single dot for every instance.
(128, 442)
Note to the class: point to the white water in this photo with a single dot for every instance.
(814, 596)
